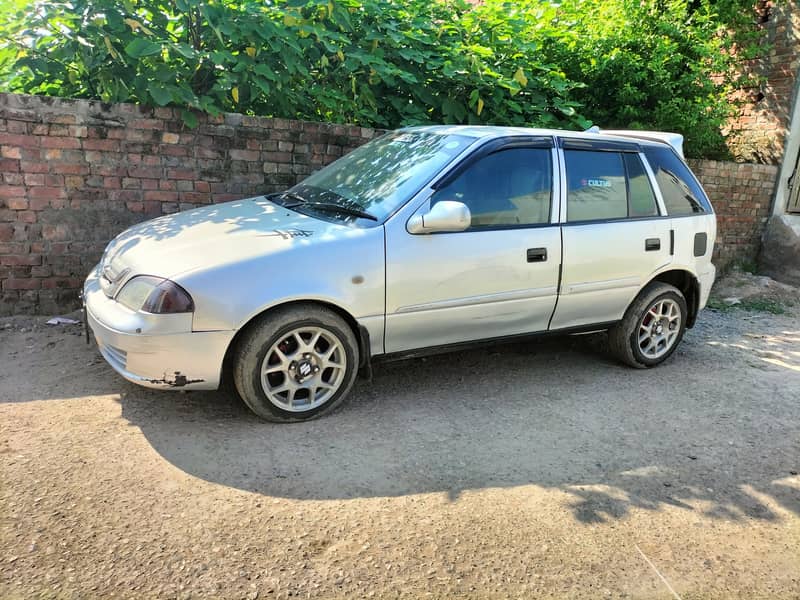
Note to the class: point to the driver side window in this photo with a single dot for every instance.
(508, 188)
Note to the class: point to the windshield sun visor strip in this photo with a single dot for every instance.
(494, 145)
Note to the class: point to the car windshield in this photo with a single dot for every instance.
(379, 176)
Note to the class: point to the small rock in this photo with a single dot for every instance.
(732, 301)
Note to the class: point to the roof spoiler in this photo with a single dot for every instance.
(673, 139)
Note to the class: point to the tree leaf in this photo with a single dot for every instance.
(480, 105)
(159, 93)
(141, 47)
(235, 94)
(251, 51)
(520, 78)
(189, 118)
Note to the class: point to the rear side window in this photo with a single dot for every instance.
(595, 185)
(607, 185)
(640, 194)
(682, 194)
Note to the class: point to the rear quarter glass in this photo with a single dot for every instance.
(680, 189)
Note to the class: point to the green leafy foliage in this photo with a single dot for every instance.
(384, 63)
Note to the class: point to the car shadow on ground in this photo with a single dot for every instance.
(556, 413)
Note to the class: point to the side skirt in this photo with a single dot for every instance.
(471, 344)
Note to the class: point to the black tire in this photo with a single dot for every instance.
(623, 337)
(261, 335)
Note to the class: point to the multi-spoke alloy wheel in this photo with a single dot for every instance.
(652, 326)
(659, 328)
(303, 369)
(295, 362)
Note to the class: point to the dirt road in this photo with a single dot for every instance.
(532, 470)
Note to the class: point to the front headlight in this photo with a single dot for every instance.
(155, 295)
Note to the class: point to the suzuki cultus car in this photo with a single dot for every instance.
(422, 240)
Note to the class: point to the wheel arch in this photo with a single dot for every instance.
(361, 333)
(689, 286)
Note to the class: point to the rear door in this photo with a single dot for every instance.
(615, 234)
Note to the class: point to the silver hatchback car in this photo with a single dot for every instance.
(425, 239)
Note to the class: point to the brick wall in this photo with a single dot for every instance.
(759, 131)
(75, 173)
(741, 194)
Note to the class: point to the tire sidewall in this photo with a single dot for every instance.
(269, 410)
(633, 337)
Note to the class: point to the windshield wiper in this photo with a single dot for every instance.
(330, 206)
(293, 196)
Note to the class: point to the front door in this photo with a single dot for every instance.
(614, 237)
(497, 278)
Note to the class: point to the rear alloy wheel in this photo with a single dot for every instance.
(652, 327)
(296, 363)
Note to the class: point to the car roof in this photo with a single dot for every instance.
(655, 138)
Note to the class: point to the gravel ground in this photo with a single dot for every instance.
(541, 469)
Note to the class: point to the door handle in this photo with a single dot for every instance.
(651, 244)
(537, 254)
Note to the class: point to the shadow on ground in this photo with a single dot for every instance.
(715, 430)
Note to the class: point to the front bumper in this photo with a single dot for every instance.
(155, 351)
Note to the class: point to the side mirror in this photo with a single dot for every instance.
(446, 215)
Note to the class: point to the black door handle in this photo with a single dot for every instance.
(651, 244)
(537, 254)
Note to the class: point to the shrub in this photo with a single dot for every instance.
(384, 63)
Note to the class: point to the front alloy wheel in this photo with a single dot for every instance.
(295, 363)
(304, 369)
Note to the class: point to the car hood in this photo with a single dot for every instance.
(213, 236)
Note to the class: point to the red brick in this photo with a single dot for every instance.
(10, 152)
(195, 197)
(20, 203)
(37, 167)
(146, 124)
(201, 186)
(59, 142)
(24, 260)
(111, 183)
(8, 191)
(34, 179)
(225, 197)
(104, 145)
(161, 196)
(65, 119)
(142, 172)
(38, 203)
(22, 284)
(13, 179)
(174, 150)
(9, 165)
(46, 192)
(181, 174)
(15, 139)
(6, 232)
(26, 216)
(249, 155)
